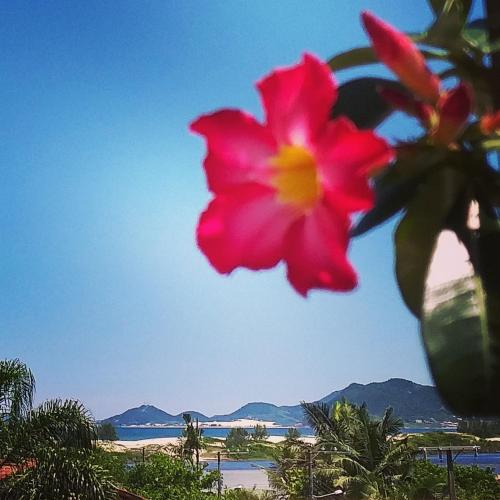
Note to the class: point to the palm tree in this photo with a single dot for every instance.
(193, 439)
(50, 446)
(357, 452)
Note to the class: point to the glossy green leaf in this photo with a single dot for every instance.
(361, 102)
(417, 232)
(461, 324)
(362, 56)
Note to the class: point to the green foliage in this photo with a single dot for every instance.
(193, 439)
(52, 444)
(116, 464)
(165, 478)
(59, 474)
(248, 495)
(107, 432)
(462, 334)
(290, 476)
(452, 439)
(361, 102)
(260, 433)
(428, 482)
(416, 235)
(237, 439)
(353, 451)
(292, 434)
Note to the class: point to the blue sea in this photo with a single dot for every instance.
(483, 460)
(135, 433)
(491, 460)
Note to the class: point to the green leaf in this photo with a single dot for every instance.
(361, 102)
(417, 232)
(451, 17)
(461, 326)
(476, 35)
(388, 203)
(396, 186)
(438, 5)
(354, 57)
(362, 56)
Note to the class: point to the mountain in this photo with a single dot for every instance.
(261, 411)
(149, 414)
(145, 414)
(410, 401)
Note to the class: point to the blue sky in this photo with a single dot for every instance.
(103, 292)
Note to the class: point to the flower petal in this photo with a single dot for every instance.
(298, 100)
(238, 148)
(490, 123)
(244, 226)
(402, 56)
(346, 156)
(454, 108)
(315, 251)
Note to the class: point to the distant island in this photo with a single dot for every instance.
(416, 404)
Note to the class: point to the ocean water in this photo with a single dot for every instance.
(239, 464)
(483, 460)
(135, 433)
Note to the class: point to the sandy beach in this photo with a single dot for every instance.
(122, 446)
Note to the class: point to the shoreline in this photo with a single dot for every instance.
(214, 424)
(122, 445)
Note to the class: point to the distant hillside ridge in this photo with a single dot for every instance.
(149, 414)
(410, 401)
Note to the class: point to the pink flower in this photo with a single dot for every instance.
(400, 54)
(284, 190)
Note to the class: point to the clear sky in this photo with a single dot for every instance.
(103, 292)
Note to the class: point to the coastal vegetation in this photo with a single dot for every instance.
(106, 432)
(365, 457)
(354, 453)
(167, 478)
(51, 451)
(48, 450)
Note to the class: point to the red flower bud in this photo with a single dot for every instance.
(401, 55)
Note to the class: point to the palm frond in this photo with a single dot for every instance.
(62, 423)
(17, 387)
(60, 473)
(317, 416)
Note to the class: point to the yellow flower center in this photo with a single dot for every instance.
(295, 176)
